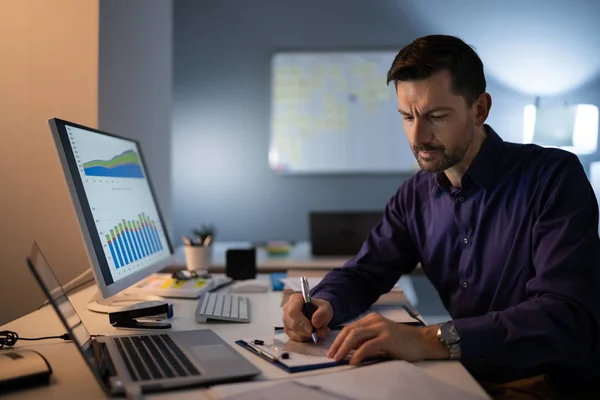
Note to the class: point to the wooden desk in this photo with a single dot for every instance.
(73, 380)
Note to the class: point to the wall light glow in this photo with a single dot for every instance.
(529, 123)
(547, 128)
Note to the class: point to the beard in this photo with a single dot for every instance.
(450, 157)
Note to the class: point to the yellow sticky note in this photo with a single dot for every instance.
(199, 283)
(172, 284)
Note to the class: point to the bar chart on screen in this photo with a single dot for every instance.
(132, 240)
(121, 202)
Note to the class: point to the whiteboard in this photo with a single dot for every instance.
(334, 113)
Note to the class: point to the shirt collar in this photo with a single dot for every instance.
(483, 166)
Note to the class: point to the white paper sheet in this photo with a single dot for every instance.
(287, 390)
(388, 380)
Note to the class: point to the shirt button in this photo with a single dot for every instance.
(466, 240)
(465, 284)
(461, 199)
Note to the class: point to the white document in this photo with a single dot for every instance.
(386, 380)
(287, 390)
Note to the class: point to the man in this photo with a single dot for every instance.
(507, 233)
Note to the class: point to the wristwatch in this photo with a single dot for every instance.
(448, 335)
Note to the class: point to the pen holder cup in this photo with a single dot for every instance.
(197, 257)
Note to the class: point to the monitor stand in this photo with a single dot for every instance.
(124, 308)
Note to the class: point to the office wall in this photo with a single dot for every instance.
(221, 111)
(135, 76)
(49, 68)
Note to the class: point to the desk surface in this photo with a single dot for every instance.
(72, 379)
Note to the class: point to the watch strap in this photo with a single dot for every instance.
(448, 334)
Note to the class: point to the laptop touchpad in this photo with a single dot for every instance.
(213, 352)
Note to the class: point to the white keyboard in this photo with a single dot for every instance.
(224, 307)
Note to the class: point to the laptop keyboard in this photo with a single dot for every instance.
(223, 306)
(154, 357)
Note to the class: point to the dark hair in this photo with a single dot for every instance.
(428, 55)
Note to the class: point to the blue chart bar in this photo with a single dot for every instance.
(147, 235)
(131, 232)
(130, 242)
(112, 250)
(126, 242)
(119, 260)
(152, 237)
(123, 250)
(156, 237)
(140, 240)
(136, 256)
(145, 239)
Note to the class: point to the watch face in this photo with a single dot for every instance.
(449, 333)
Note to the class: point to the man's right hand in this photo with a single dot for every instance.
(295, 323)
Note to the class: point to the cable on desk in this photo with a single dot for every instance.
(10, 338)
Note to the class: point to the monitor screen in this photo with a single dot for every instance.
(116, 205)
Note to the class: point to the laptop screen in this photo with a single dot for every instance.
(64, 308)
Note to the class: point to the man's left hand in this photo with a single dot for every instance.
(375, 335)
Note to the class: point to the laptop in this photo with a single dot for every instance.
(131, 364)
(341, 233)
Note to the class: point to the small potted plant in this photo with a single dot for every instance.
(205, 234)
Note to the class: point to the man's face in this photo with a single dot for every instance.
(439, 124)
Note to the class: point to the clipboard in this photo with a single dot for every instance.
(307, 356)
(278, 362)
(301, 356)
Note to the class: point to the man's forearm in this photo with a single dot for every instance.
(435, 349)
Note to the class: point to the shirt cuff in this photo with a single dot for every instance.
(481, 340)
(338, 316)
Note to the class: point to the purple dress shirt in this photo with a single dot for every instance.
(514, 256)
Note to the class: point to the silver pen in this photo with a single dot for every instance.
(258, 350)
(309, 308)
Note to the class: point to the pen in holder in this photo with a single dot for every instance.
(197, 256)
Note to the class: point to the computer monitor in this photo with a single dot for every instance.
(116, 206)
